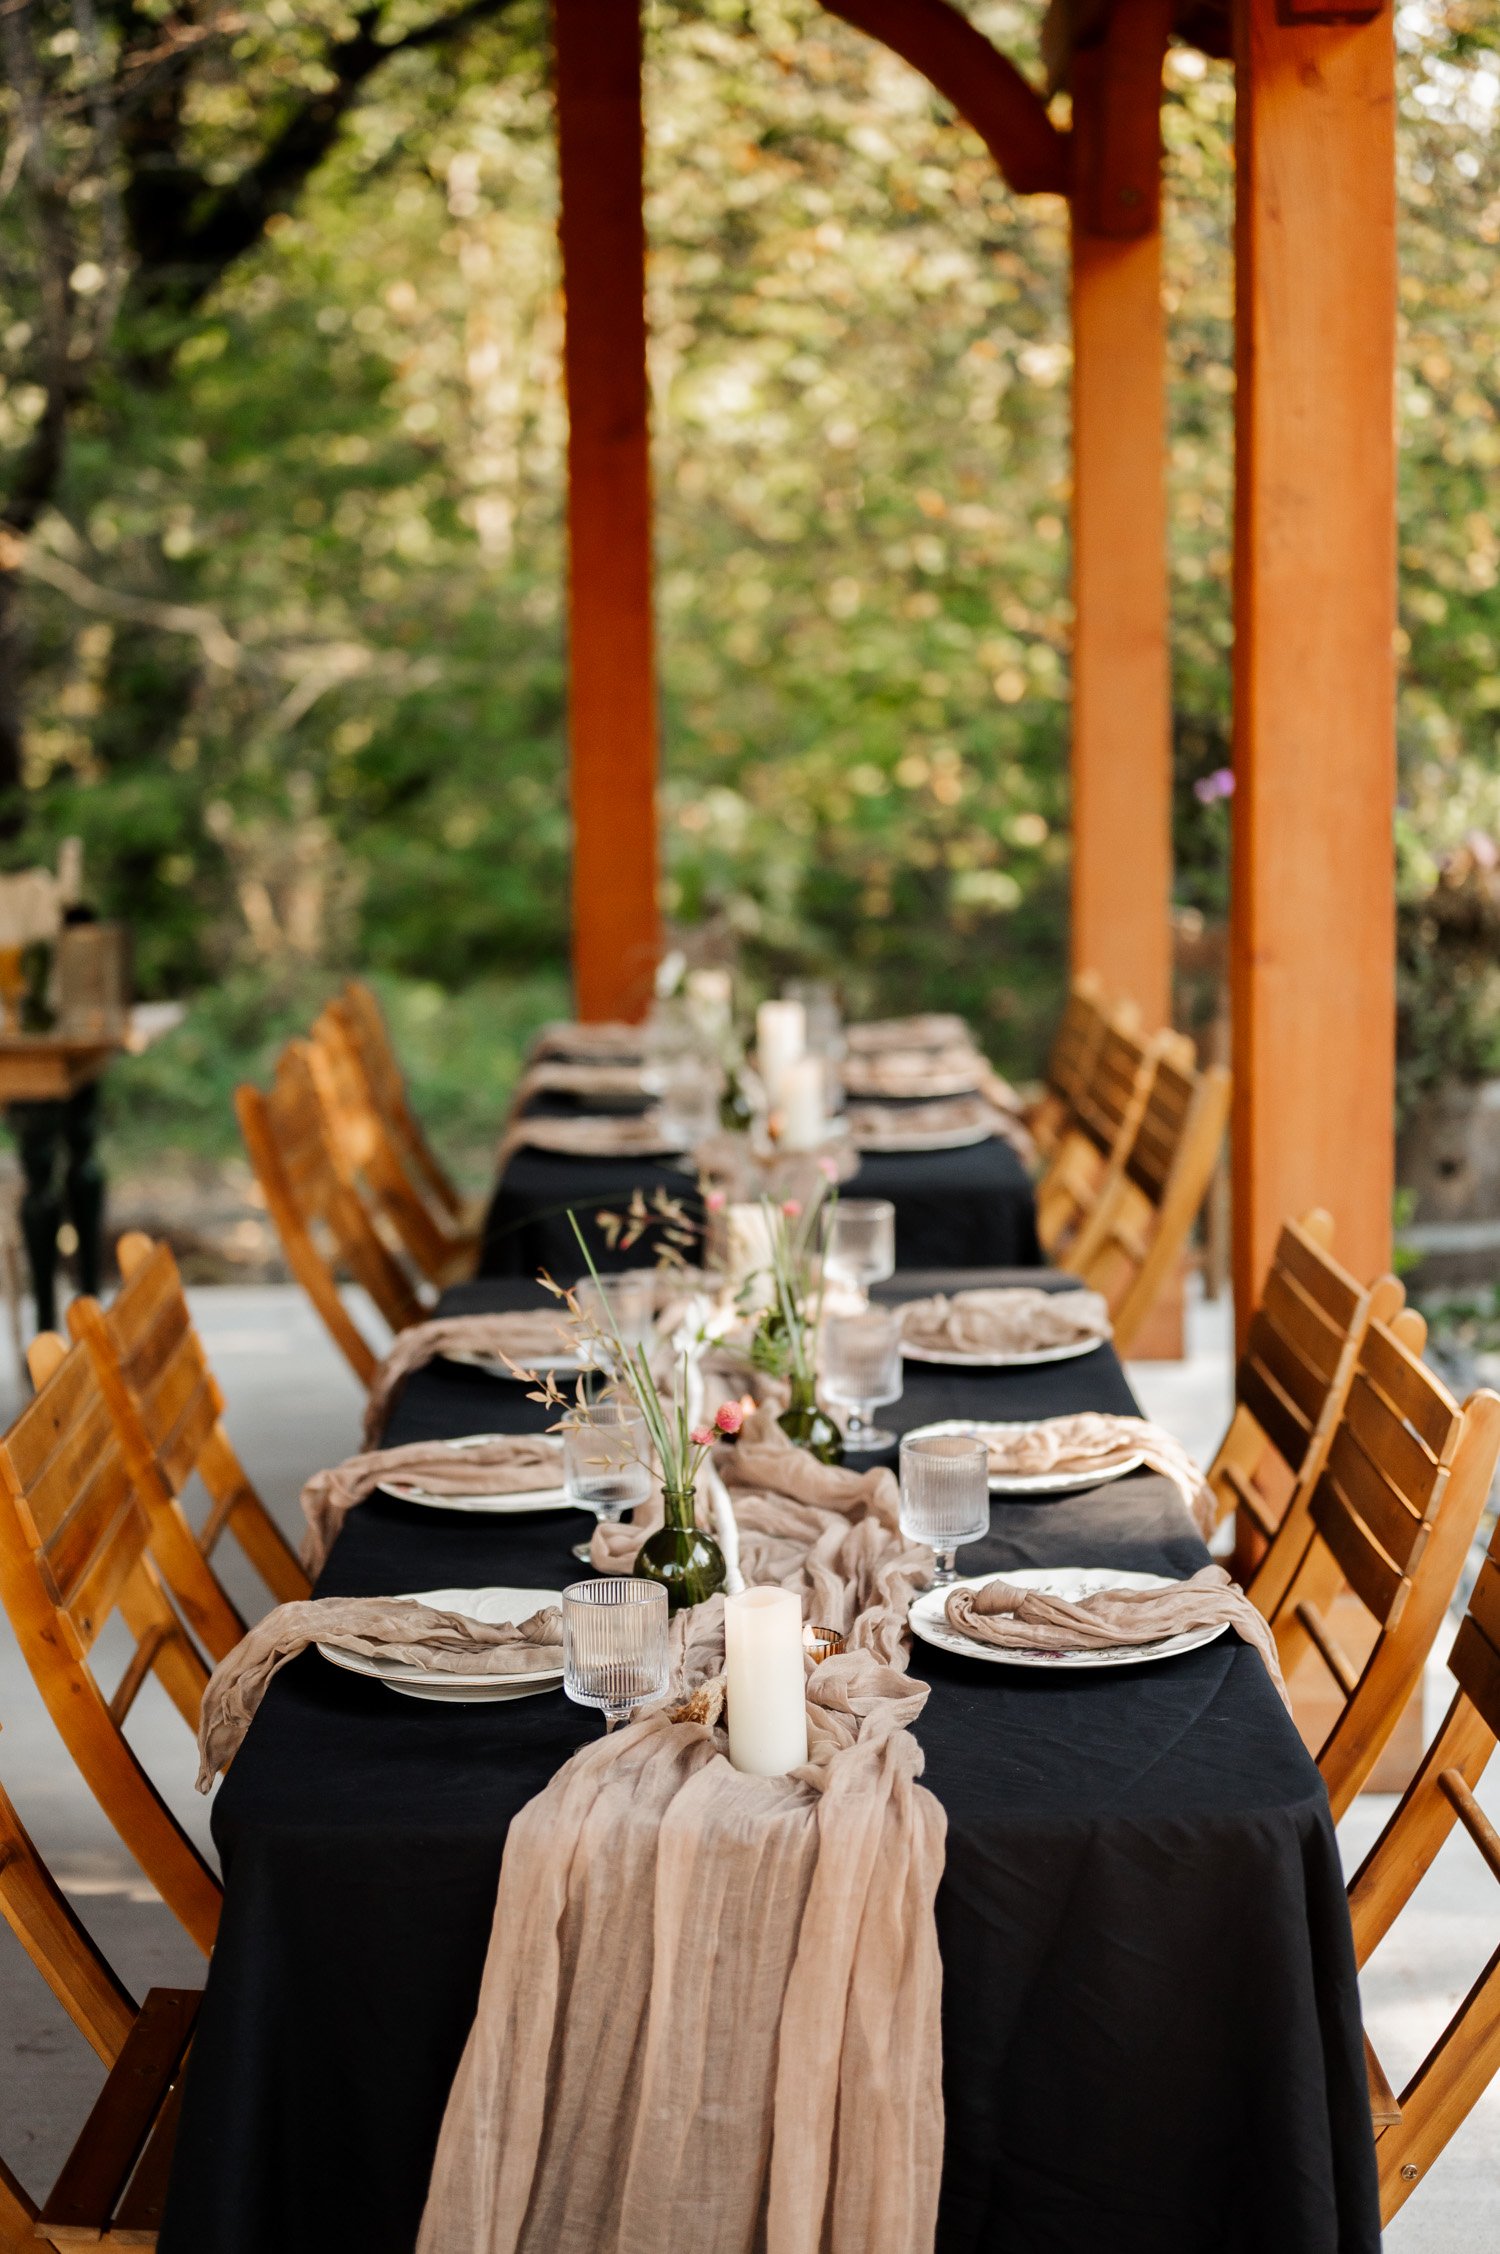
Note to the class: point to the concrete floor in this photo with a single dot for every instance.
(292, 1406)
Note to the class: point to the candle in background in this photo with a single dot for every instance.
(710, 1001)
(799, 1098)
(780, 1038)
(764, 1681)
(747, 1253)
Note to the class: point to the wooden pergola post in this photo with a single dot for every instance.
(612, 712)
(1122, 748)
(1313, 924)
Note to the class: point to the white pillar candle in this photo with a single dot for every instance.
(748, 1253)
(710, 1000)
(799, 1099)
(764, 1681)
(780, 1038)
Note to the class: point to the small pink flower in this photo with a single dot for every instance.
(704, 1437)
(791, 1207)
(828, 1168)
(716, 1200)
(730, 1416)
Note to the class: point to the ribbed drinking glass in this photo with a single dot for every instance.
(614, 1644)
(945, 1494)
(860, 1359)
(606, 1461)
(623, 1306)
(861, 1247)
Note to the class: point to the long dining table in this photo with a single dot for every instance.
(1151, 2031)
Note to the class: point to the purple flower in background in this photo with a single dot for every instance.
(1220, 784)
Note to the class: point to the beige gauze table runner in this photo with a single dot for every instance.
(500, 1463)
(709, 2015)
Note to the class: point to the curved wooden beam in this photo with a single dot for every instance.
(983, 85)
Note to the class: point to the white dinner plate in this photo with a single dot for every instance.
(452, 1689)
(928, 1617)
(954, 1360)
(506, 1503)
(559, 1365)
(950, 1138)
(870, 1087)
(1024, 1483)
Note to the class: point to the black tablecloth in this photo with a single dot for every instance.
(1150, 2019)
(954, 1208)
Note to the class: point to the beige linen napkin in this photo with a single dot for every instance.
(899, 1073)
(1017, 1319)
(1091, 1442)
(394, 1628)
(562, 1076)
(930, 1029)
(946, 1115)
(525, 1337)
(1017, 1619)
(601, 1135)
(709, 2017)
(609, 1038)
(503, 1463)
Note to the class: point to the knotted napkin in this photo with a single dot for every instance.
(602, 1135)
(503, 1463)
(523, 1337)
(709, 2016)
(1019, 1619)
(608, 1039)
(395, 1628)
(930, 1029)
(1091, 1442)
(1017, 1319)
(898, 1073)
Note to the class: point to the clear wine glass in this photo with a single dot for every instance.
(945, 1495)
(615, 1644)
(623, 1306)
(606, 1462)
(861, 1247)
(861, 1370)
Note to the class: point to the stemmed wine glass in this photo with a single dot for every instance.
(615, 1644)
(861, 1356)
(945, 1495)
(606, 1461)
(861, 1247)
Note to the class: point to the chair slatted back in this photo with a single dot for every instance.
(75, 1538)
(1090, 1154)
(1393, 1514)
(1070, 1065)
(1290, 1384)
(1133, 1239)
(1412, 2129)
(168, 1413)
(320, 1219)
(364, 1021)
(107, 2192)
(373, 1160)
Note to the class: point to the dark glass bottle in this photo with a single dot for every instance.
(809, 1426)
(687, 1562)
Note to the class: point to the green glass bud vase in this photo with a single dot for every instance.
(687, 1562)
(810, 1427)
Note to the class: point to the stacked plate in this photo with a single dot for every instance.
(929, 1618)
(450, 1689)
(500, 1505)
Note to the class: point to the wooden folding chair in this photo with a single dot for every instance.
(369, 1153)
(321, 1220)
(1412, 2130)
(168, 1415)
(1089, 1155)
(364, 1021)
(1393, 1513)
(112, 2189)
(1129, 1244)
(1289, 1390)
(1070, 1065)
(74, 1548)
